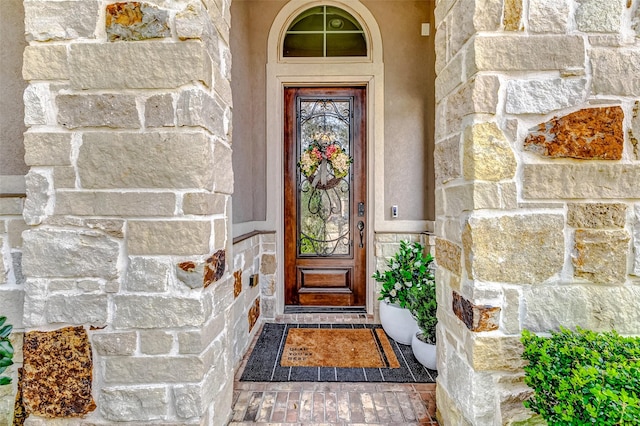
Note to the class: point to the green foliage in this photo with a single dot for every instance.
(6, 350)
(583, 377)
(423, 306)
(407, 268)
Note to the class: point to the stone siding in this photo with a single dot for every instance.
(128, 203)
(537, 206)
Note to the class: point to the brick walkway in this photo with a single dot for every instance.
(332, 403)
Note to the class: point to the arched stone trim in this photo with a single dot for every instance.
(364, 71)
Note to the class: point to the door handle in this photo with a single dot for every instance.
(361, 229)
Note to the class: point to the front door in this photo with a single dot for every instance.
(325, 196)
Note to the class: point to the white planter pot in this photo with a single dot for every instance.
(397, 322)
(425, 353)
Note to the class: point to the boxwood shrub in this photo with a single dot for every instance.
(583, 378)
(6, 350)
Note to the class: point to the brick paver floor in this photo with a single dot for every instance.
(310, 403)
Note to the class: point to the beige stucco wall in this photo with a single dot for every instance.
(408, 106)
(12, 43)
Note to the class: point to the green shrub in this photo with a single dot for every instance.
(6, 350)
(423, 306)
(583, 377)
(408, 267)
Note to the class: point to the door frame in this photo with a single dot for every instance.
(367, 72)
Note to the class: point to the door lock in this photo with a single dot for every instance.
(361, 209)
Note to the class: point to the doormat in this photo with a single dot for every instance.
(332, 353)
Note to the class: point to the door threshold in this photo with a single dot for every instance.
(292, 309)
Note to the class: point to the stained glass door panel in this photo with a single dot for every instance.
(325, 183)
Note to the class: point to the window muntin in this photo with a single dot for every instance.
(324, 31)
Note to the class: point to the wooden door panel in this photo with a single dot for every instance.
(325, 262)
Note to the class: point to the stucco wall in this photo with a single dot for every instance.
(12, 43)
(409, 106)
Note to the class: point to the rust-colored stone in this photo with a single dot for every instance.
(512, 15)
(214, 268)
(476, 317)
(187, 266)
(136, 21)
(19, 413)
(588, 134)
(58, 373)
(254, 314)
(237, 283)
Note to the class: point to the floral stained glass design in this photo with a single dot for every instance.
(324, 176)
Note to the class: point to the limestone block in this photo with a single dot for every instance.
(487, 15)
(595, 16)
(12, 306)
(120, 204)
(447, 160)
(155, 342)
(16, 261)
(636, 240)
(591, 134)
(110, 344)
(37, 100)
(47, 149)
(223, 170)
(544, 96)
(548, 16)
(188, 401)
(158, 111)
(45, 62)
(441, 47)
(60, 20)
(152, 65)
(593, 307)
(487, 154)
(461, 18)
(469, 197)
(511, 311)
(134, 21)
(449, 255)
(449, 77)
(77, 309)
(133, 404)
(520, 249)
(64, 177)
(268, 264)
(601, 255)
(195, 342)
(15, 228)
(69, 253)
(192, 22)
(11, 206)
(613, 71)
(157, 312)
(516, 53)
(479, 95)
(177, 238)
(580, 181)
(145, 160)
(198, 108)
(109, 110)
(512, 19)
(38, 204)
(169, 369)
(596, 215)
(204, 203)
(57, 373)
(502, 353)
(147, 275)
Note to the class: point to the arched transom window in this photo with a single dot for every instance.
(324, 31)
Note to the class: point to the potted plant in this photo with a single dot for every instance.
(423, 306)
(6, 350)
(409, 267)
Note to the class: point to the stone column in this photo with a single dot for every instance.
(129, 144)
(535, 158)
